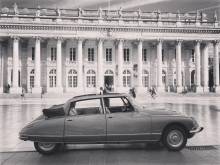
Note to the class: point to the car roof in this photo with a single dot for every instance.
(92, 96)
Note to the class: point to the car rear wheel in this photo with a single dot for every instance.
(46, 148)
(174, 138)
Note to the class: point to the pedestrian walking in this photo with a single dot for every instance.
(42, 92)
(8, 88)
(153, 92)
(132, 92)
(22, 93)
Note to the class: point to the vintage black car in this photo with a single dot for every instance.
(107, 118)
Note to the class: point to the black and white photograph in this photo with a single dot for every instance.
(109, 82)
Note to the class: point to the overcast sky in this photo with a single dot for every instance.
(147, 5)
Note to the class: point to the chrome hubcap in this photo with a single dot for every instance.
(175, 138)
(46, 146)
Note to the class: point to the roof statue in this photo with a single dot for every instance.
(197, 14)
(100, 12)
(158, 14)
(120, 12)
(178, 15)
(215, 17)
(15, 9)
(58, 12)
(139, 13)
(80, 11)
(38, 11)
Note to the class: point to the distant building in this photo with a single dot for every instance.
(64, 50)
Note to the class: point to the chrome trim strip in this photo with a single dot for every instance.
(199, 129)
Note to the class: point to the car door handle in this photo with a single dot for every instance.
(69, 119)
(110, 117)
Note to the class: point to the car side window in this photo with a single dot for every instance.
(86, 107)
(118, 104)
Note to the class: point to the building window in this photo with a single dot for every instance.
(32, 78)
(126, 55)
(210, 61)
(163, 55)
(144, 55)
(174, 79)
(90, 54)
(126, 78)
(53, 54)
(193, 55)
(90, 79)
(164, 77)
(72, 54)
(52, 78)
(108, 54)
(175, 54)
(145, 78)
(32, 53)
(72, 78)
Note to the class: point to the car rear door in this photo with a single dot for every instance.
(126, 125)
(86, 122)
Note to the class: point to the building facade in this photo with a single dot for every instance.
(79, 51)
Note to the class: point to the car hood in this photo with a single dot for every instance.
(161, 112)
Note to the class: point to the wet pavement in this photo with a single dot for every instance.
(16, 113)
(115, 155)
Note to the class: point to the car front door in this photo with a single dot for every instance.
(86, 122)
(124, 123)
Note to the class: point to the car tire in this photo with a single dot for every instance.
(46, 148)
(174, 138)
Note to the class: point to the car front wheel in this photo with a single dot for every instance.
(174, 138)
(46, 148)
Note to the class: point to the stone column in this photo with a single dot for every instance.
(100, 76)
(120, 64)
(205, 68)
(37, 67)
(1, 68)
(198, 67)
(15, 88)
(159, 66)
(59, 85)
(140, 66)
(179, 66)
(216, 67)
(80, 65)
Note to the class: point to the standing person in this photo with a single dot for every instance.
(154, 93)
(42, 92)
(22, 93)
(8, 88)
(101, 91)
(132, 92)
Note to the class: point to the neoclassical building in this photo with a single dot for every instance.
(79, 51)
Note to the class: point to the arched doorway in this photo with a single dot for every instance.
(145, 79)
(90, 79)
(72, 78)
(192, 79)
(126, 78)
(109, 80)
(164, 77)
(31, 79)
(52, 78)
(211, 80)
